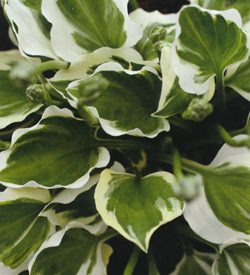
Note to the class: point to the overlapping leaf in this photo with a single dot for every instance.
(195, 263)
(135, 96)
(73, 251)
(14, 105)
(173, 99)
(207, 44)
(80, 27)
(234, 258)
(221, 211)
(137, 207)
(22, 231)
(60, 151)
(76, 205)
(85, 65)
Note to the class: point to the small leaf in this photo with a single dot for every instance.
(48, 154)
(134, 96)
(80, 27)
(173, 99)
(73, 251)
(14, 105)
(207, 44)
(22, 231)
(137, 207)
(195, 263)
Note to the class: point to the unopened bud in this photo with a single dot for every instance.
(89, 89)
(198, 110)
(36, 93)
(157, 33)
(188, 187)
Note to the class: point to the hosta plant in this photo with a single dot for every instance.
(125, 134)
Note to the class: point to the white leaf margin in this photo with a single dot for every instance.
(145, 18)
(30, 37)
(61, 39)
(79, 66)
(103, 160)
(185, 70)
(109, 126)
(56, 239)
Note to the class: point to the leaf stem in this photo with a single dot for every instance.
(181, 123)
(186, 164)
(177, 167)
(51, 65)
(221, 91)
(133, 4)
(151, 263)
(226, 137)
(132, 261)
(125, 144)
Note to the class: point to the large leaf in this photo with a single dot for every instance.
(195, 262)
(207, 44)
(233, 258)
(73, 251)
(83, 26)
(30, 27)
(48, 155)
(222, 209)
(14, 105)
(137, 207)
(22, 231)
(126, 105)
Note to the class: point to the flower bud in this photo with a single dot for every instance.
(157, 33)
(92, 88)
(198, 110)
(36, 93)
(188, 187)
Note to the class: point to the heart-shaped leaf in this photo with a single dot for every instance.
(137, 207)
(208, 42)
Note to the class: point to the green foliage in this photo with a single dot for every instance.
(93, 109)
